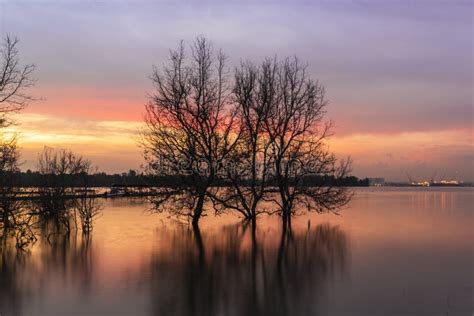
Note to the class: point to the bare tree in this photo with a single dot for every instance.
(267, 132)
(9, 156)
(14, 80)
(88, 209)
(87, 206)
(255, 93)
(61, 170)
(281, 113)
(298, 132)
(16, 219)
(190, 126)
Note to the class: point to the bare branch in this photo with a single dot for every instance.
(14, 80)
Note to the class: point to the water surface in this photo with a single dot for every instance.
(392, 251)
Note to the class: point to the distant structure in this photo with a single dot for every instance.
(376, 182)
(445, 183)
(433, 183)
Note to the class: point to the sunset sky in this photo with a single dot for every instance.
(398, 75)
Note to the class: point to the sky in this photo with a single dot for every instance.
(398, 74)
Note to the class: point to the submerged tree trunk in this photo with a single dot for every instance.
(199, 245)
(198, 209)
(254, 222)
(286, 217)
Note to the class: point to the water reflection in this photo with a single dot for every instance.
(61, 262)
(10, 293)
(231, 270)
(410, 254)
(241, 271)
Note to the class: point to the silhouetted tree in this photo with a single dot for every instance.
(88, 209)
(266, 132)
(9, 156)
(190, 126)
(60, 169)
(14, 80)
(281, 111)
(255, 94)
(16, 221)
(298, 133)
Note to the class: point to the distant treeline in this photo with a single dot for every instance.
(134, 179)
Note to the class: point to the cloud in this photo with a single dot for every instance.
(111, 145)
(418, 153)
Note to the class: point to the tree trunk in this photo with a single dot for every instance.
(199, 244)
(198, 209)
(289, 218)
(253, 213)
(286, 216)
(254, 222)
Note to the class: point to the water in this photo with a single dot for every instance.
(393, 251)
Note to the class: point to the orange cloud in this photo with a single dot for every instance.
(89, 102)
(448, 152)
(113, 145)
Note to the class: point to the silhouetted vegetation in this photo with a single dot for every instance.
(58, 204)
(9, 206)
(263, 135)
(210, 141)
(54, 203)
(57, 167)
(191, 128)
(251, 161)
(15, 79)
(31, 179)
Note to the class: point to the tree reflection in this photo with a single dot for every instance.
(223, 270)
(240, 270)
(11, 265)
(64, 260)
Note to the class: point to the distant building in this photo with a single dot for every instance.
(376, 182)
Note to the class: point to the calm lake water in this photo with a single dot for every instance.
(393, 251)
